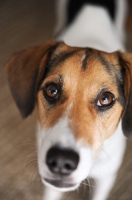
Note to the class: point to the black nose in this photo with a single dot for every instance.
(62, 161)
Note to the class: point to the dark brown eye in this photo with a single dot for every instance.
(106, 99)
(51, 91)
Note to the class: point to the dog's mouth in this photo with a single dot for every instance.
(59, 183)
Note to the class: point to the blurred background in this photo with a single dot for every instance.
(22, 24)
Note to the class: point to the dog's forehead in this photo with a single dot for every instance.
(83, 65)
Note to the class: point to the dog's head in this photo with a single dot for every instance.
(81, 95)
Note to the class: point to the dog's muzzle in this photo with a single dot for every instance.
(61, 162)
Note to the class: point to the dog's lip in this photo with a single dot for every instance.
(59, 183)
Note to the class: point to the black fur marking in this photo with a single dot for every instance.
(74, 7)
(64, 56)
(48, 62)
(87, 56)
(127, 113)
(120, 85)
(119, 79)
(106, 64)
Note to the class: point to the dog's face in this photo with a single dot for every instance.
(81, 94)
(80, 102)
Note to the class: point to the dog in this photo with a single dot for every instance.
(82, 87)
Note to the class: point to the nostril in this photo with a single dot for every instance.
(62, 161)
(68, 167)
(52, 163)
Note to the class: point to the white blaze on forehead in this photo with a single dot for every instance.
(83, 57)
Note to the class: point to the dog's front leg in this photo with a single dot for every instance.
(103, 187)
(51, 194)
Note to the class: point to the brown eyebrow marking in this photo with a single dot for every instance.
(56, 60)
(87, 54)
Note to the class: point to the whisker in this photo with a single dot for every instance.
(26, 157)
(41, 190)
(84, 186)
(29, 166)
(29, 157)
(88, 184)
(33, 175)
(65, 196)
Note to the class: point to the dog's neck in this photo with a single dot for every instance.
(93, 28)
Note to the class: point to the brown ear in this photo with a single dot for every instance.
(25, 70)
(125, 60)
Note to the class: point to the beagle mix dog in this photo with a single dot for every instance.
(83, 97)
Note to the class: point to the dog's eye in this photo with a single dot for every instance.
(51, 92)
(105, 100)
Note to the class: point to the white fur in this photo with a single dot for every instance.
(121, 13)
(120, 18)
(91, 28)
(61, 134)
(103, 167)
(108, 163)
(61, 6)
(50, 193)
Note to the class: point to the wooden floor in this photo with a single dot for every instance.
(25, 23)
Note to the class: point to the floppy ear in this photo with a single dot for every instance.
(25, 70)
(125, 60)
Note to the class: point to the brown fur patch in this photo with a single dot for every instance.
(24, 71)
